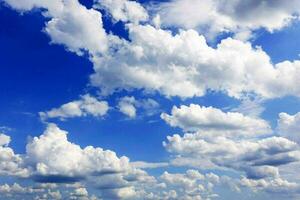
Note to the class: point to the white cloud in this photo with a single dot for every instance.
(128, 106)
(174, 65)
(123, 10)
(240, 16)
(148, 165)
(52, 154)
(4, 139)
(10, 163)
(71, 24)
(87, 105)
(289, 126)
(216, 122)
(277, 185)
(184, 65)
(258, 158)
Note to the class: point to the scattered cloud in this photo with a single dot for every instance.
(87, 105)
(128, 105)
(215, 122)
(289, 126)
(215, 16)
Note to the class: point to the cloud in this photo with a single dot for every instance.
(184, 65)
(87, 105)
(208, 119)
(62, 169)
(123, 10)
(181, 64)
(52, 154)
(71, 24)
(256, 158)
(4, 139)
(215, 16)
(148, 165)
(289, 126)
(128, 106)
(10, 163)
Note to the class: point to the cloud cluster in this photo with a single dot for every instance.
(87, 105)
(208, 119)
(211, 145)
(128, 106)
(123, 10)
(56, 164)
(239, 16)
(154, 59)
(289, 126)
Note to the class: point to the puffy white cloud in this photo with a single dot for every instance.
(174, 65)
(214, 121)
(26, 5)
(87, 105)
(123, 10)
(289, 126)
(4, 139)
(52, 155)
(215, 16)
(184, 65)
(10, 163)
(277, 185)
(257, 157)
(145, 165)
(71, 24)
(128, 106)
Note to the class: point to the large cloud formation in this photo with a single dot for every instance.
(215, 16)
(156, 60)
(195, 117)
(53, 162)
(258, 159)
(87, 105)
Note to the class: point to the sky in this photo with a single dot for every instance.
(162, 100)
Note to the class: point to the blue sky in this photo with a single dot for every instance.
(126, 76)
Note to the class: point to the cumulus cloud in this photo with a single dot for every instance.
(289, 126)
(256, 158)
(4, 139)
(208, 119)
(154, 59)
(53, 156)
(10, 163)
(87, 105)
(184, 65)
(240, 16)
(123, 10)
(128, 106)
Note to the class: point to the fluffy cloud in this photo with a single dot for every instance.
(4, 139)
(257, 159)
(52, 156)
(215, 16)
(87, 105)
(10, 163)
(289, 126)
(128, 106)
(195, 117)
(123, 10)
(174, 65)
(184, 65)
(71, 24)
